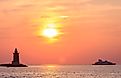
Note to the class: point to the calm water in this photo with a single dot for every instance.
(72, 71)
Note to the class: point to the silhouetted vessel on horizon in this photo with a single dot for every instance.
(101, 62)
(15, 62)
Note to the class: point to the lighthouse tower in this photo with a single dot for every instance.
(15, 57)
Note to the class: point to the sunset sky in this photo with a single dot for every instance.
(60, 31)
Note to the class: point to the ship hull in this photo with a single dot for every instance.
(105, 64)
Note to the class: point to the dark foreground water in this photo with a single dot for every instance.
(62, 71)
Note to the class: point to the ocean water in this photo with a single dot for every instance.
(62, 71)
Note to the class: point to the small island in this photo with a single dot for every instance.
(105, 62)
(15, 62)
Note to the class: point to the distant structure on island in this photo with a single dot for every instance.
(15, 62)
(101, 62)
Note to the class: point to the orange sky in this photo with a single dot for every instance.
(91, 29)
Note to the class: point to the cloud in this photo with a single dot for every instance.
(14, 5)
(3, 0)
(30, 6)
(106, 2)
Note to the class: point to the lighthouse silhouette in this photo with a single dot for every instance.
(15, 61)
(15, 57)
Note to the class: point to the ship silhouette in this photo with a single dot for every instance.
(15, 62)
(105, 62)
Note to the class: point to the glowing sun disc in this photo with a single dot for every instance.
(50, 32)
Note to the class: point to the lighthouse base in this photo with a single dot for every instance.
(11, 65)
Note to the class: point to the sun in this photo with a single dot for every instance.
(50, 32)
(50, 29)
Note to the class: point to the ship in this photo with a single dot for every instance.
(103, 62)
(15, 62)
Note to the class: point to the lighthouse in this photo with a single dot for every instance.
(15, 57)
(15, 62)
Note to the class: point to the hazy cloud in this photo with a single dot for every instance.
(106, 2)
